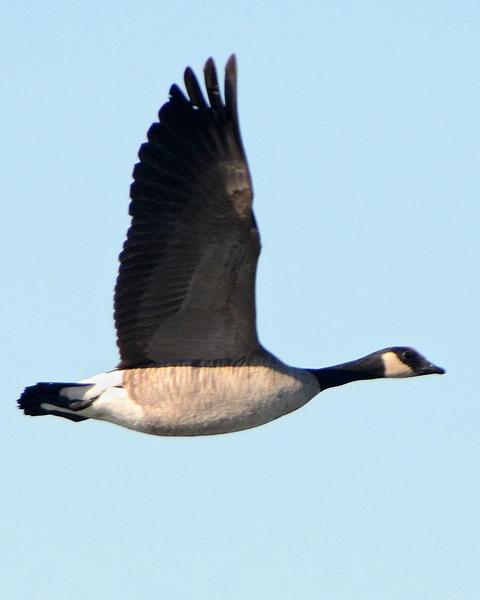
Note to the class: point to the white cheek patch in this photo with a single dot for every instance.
(394, 367)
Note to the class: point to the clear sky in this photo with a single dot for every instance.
(361, 124)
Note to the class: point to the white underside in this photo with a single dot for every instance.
(194, 400)
(111, 400)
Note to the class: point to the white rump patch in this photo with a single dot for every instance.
(114, 405)
(111, 400)
(394, 367)
(101, 382)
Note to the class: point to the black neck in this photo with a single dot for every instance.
(368, 367)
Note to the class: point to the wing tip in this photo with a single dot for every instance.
(211, 84)
(231, 65)
(193, 88)
(209, 64)
(195, 91)
(176, 94)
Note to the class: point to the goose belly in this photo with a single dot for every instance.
(183, 400)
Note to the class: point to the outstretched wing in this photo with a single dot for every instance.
(186, 284)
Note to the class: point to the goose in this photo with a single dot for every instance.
(191, 362)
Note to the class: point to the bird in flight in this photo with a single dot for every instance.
(191, 362)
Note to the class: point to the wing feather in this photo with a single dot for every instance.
(186, 284)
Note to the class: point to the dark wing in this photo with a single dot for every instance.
(186, 284)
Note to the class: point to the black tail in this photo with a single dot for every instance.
(34, 396)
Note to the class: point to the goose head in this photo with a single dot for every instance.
(402, 361)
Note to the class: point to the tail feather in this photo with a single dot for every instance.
(34, 399)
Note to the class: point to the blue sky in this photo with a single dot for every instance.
(361, 126)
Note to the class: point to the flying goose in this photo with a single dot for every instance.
(191, 361)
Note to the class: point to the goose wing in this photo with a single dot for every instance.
(186, 284)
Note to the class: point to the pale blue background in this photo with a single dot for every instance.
(361, 122)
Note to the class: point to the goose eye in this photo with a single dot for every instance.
(408, 356)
